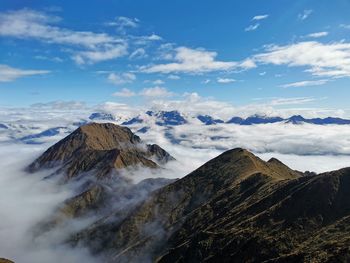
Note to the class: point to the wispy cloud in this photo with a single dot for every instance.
(156, 92)
(124, 93)
(291, 101)
(138, 54)
(305, 14)
(260, 17)
(173, 77)
(318, 34)
(123, 78)
(305, 83)
(158, 82)
(344, 26)
(121, 23)
(225, 80)
(252, 27)
(152, 92)
(195, 61)
(101, 54)
(8, 73)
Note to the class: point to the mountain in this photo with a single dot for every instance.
(174, 118)
(235, 120)
(234, 208)
(133, 121)
(4, 260)
(46, 133)
(296, 119)
(171, 118)
(208, 120)
(256, 119)
(99, 149)
(101, 116)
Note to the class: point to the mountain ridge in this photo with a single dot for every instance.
(174, 118)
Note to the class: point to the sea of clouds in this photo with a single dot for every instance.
(26, 199)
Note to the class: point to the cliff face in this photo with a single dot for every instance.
(99, 149)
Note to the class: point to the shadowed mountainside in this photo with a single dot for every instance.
(235, 208)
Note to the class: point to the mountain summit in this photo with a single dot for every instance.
(99, 147)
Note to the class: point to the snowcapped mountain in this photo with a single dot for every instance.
(175, 118)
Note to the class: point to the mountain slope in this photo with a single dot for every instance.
(229, 179)
(99, 149)
(235, 208)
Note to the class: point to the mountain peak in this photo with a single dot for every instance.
(101, 147)
(106, 136)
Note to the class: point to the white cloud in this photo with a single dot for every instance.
(158, 82)
(194, 61)
(156, 92)
(260, 17)
(173, 77)
(252, 27)
(122, 23)
(94, 56)
(305, 14)
(122, 78)
(145, 40)
(30, 24)
(318, 34)
(8, 73)
(153, 37)
(124, 93)
(225, 80)
(305, 83)
(327, 60)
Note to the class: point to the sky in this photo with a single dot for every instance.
(289, 54)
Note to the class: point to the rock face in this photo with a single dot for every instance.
(235, 208)
(4, 260)
(99, 149)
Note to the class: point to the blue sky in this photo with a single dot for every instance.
(287, 53)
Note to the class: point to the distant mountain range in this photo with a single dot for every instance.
(174, 118)
(234, 208)
(144, 122)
